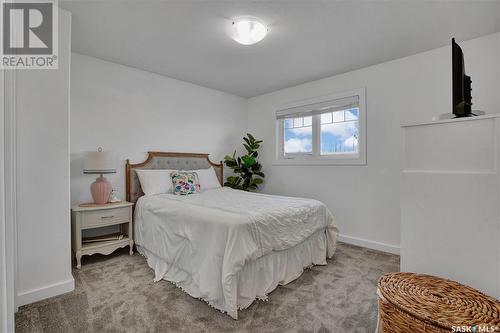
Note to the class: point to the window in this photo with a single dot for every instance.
(340, 132)
(330, 130)
(298, 135)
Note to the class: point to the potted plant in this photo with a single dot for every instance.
(247, 169)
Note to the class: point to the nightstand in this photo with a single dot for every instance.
(97, 216)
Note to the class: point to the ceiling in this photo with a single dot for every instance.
(308, 40)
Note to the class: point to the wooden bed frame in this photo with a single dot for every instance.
(167, 160)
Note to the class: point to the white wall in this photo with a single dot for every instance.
(130, 111)
(42, 191)
(365, 199)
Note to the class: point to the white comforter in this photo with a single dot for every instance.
(210, 236)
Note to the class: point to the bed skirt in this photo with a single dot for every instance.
(257, 278)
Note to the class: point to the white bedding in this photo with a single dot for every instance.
(207, 239)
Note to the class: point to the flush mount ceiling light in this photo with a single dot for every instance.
(247, 30)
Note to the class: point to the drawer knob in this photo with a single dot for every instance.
(107, 217)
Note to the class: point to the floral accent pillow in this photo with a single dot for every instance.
(185, 182)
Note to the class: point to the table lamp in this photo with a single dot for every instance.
(100, 162)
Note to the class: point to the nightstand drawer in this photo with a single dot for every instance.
(105, 217)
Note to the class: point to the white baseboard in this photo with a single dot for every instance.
(34, 295)
(389, 248)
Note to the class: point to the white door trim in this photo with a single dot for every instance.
(8, 230)
(5, 314)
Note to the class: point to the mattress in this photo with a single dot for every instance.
(230, 247)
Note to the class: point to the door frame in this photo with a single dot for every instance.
(8, 230)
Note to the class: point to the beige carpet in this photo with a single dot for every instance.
(117, 294)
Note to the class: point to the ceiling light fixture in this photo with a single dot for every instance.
(247, 30)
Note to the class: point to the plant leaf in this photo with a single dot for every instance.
(248, 160)
(248, 148)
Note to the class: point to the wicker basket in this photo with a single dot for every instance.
(422, 303)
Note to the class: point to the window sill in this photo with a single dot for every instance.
(320, 161)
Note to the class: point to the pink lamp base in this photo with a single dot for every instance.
(101, 190)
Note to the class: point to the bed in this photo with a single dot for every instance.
(224, 246)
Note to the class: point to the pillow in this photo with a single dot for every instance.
(155, 181)
(185, 182)
(208, 178)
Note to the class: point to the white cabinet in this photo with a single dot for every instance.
(450, 201)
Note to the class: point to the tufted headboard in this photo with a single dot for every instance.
(164, 160)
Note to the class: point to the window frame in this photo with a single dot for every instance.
(315, 158)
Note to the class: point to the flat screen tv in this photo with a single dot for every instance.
(462, 98)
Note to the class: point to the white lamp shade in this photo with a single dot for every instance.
(99, 162)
